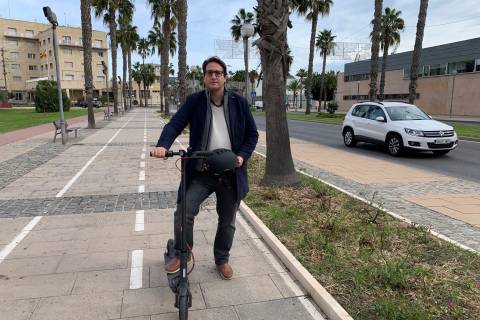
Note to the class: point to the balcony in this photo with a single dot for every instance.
(78, 44)
(19, 35)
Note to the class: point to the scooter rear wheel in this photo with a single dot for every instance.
(183, 308)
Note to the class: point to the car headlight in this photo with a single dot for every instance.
(413, 132)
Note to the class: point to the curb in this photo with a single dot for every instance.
(324, 300)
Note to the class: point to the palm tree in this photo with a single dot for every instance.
(273, 19)
(238, 21)
(294, 86)
(143, 48)
(253, 75)
(124, 19)
(138, 77)
(148, 74)
(132, 38)
(182, 9)
(311, 9)
(155, 39)
(87, 58)
(375, 35)
(325, 44)
(302, 74)
(392, 24)
(417, 51)
(108, 9)
(194, 72)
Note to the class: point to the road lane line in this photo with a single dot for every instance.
(141, 188)
(79, 173)
(141, 176)
(142, 156)
(136, 271)
(140, 220)
(9, 247)
(142, 164)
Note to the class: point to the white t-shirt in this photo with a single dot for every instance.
(219, 137)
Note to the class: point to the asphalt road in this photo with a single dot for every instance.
(463, 162)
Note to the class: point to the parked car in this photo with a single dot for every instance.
(397, 126)
(83, 103)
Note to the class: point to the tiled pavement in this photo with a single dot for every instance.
(80, 261)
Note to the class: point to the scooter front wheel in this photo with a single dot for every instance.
(183, 308)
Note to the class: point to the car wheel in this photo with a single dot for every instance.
(395, 145)
(440, 152)
(349, 138)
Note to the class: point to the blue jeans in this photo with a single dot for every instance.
(201, 186)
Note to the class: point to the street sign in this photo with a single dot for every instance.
(253, 93)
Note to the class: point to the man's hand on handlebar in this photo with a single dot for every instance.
(159, 152)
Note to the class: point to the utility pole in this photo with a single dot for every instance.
(105, 72)
(4, 69)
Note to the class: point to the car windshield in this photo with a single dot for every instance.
(406, 113)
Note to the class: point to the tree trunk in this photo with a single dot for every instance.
(245, 60)
(130, 83)
(273, 16)
(417, 51)
(145, 96)
(124, 78)
(139, 95)
(182, 49)
(384, 66)
(85, 6)
(377, 21)
(165, 56)
(308, 82)
(322, 82)
(301, 81)
(113, 46)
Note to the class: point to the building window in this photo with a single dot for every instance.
(357, 77)
(66, 40)
(80, 41)
(31, 78)
(17, 78)
(68, 77)
(46, 66)
(100, 78)
(97, 44)
(12, 31)
(69, 65)
(41, 67)
(31, 56)
(12, 43)
(48, 40)
(14, 55)
(437, 69)
(67, 52)
(426, 71)
(43, 41)
(29, 33)
(100, 54)
(18, 96)
(32, 68)
(51, 65)
(100, 66)
(477, 68)
(461, 67)
(50, 53)
(15, 66)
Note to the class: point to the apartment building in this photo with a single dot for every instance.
(448, 84)
(29, 57)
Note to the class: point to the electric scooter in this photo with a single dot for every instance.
(217, 161)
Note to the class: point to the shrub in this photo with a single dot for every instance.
(3, 96)
(135, 102)
(46, 97)
(332, 106)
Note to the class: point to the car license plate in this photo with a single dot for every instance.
(441, 141)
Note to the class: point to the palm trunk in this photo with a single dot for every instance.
(308, 83)
(182, 49)
(417, 51)
(375, 49)
(124, 78)
(145, 96)
(384, 66)
(165, 58)
(139, 96)
(322, 82)
(273, 47)
(130, 79)
(301, 80)
(85, 6)
(113, 46)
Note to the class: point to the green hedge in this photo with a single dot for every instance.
(46, 97)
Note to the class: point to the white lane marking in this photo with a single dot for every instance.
(142, 156)
(281, 271)
(141, 188)
(141, 176)
(140, 220)
(79, 173)
(136, 271)
(144, 149)
(142, 164)
(9, 247)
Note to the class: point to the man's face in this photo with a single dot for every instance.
(214, 78)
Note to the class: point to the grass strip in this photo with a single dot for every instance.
(374, 265)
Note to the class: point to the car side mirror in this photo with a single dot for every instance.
(380, 119)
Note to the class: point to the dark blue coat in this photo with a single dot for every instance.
(243, 138)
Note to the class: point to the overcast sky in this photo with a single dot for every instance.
(208, 20)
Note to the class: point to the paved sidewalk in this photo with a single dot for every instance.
(448, 205)
(91, 220)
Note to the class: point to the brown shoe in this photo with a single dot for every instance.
(174, 265)
(225, 271)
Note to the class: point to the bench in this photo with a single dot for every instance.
(58, 129)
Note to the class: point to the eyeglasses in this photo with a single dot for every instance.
(217, 74)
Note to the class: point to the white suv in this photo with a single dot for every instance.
(397, 125)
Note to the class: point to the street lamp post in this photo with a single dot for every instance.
(247, 30)
(358, 91)
(52, 18)
(120, 86)
(105, 72)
